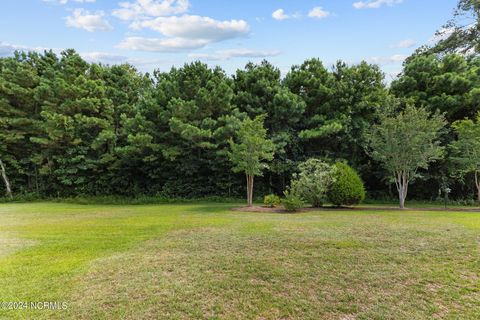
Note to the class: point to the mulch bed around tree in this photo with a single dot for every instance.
(263, 209)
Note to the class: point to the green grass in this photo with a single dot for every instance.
(204, 261)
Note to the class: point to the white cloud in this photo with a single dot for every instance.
(111, 59)
(86, 20)
(375, 4)
(445, 33)
(141, 9)
(397, 58)
(442, 34)
(66, 1)
(196, 27)
(280, 15)
(184, 33)
(234, 53)
(318, 13)
(161, 45)
(7, 49)
(103, 57)
(404, 44)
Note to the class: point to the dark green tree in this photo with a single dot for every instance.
(341, 105)
(19, 119)
(259, 90)
(449, 84)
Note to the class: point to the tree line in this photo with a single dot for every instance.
(69, 127)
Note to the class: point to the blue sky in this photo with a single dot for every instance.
(160, 33)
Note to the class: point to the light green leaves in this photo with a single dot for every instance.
(252, 150)
(407, 141)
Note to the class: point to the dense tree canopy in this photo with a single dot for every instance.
(450, 83)
(69, 127)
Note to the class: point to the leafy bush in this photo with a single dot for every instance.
(272, 200)
(347, 188)
(313, 182)
(292, 202)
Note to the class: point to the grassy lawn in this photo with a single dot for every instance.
(206, 262)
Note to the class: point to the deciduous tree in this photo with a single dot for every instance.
(251, 152)
(406, 142)
(466, 149)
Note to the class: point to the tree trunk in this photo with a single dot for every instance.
(250, 201)
(477, 184)
(402, 202)
(5, 180)
(401, 182)
(249, 190)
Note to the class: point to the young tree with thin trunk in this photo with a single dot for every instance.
(5, 179)
(466, 149)
(251, 151)
(406, 143)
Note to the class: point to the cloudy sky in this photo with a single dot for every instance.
(160, 33)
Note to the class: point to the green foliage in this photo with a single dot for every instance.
(259, 90)
(340, 106)
(292, 202)
(466, 149)
(347, 187)
(252, 151)
(272, 200)
(459, 34)
(312, 182)
(448, 83)
(405, 143)
(71, 128)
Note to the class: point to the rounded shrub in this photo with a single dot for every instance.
(272, 200)
(347, 187)
(312, 182)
